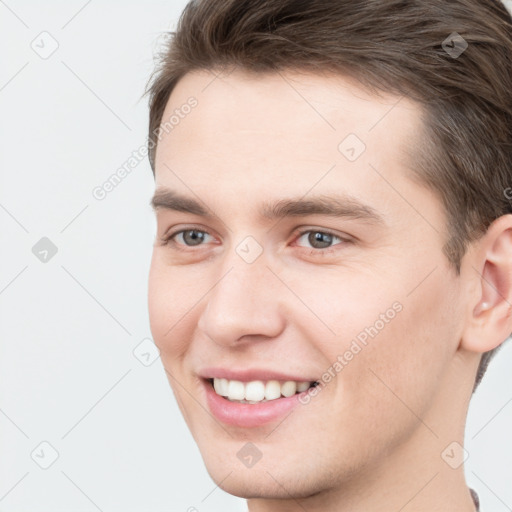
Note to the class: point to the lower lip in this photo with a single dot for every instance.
(248, 415)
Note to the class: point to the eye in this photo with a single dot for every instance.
(188, 237)
(320, 240)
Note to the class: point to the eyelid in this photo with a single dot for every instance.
(302, 230)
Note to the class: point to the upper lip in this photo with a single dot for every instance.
(250, 374)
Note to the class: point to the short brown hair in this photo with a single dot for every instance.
(396, 46)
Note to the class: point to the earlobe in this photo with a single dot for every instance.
(490, 320)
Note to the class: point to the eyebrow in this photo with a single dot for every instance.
(340, 205)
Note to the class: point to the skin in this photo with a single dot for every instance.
(373, 438)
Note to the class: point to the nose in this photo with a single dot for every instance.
(245, 303)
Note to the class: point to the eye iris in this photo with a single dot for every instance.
(317, 236)
(195, 239)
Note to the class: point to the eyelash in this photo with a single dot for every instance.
(169, 240)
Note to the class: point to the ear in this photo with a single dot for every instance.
(490, 313)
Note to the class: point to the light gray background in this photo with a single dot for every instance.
(69, 327)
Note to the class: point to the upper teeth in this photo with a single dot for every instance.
(257, 390)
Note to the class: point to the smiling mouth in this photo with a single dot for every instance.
(258, 391)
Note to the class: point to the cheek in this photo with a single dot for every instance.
(403, 364)
(382, 339)
(172, 295)
(158, 306)
(334, 306)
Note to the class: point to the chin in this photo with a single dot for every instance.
(249, 485)
(261, 481)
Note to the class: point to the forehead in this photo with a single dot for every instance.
(284, 131)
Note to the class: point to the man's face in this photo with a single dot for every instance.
(365, 296)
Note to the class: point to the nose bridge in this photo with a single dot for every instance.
(242, 301)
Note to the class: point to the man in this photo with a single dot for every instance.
(332, 270)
